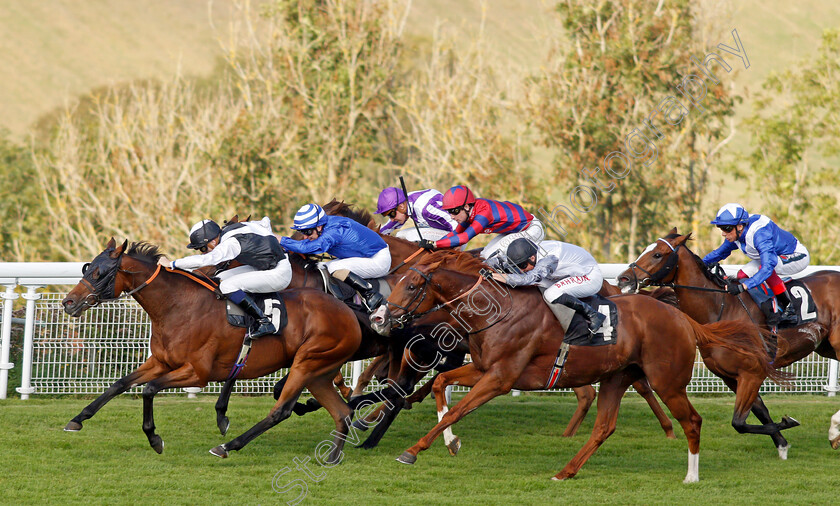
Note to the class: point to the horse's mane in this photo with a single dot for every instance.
(455, 260)
(144, 251)
(340, 208)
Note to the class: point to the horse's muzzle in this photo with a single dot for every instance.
(380, 320)
(73, 307)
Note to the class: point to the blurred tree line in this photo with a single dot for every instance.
(328, 98)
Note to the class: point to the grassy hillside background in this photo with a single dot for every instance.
(57, 50)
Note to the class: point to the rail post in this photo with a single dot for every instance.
(831, 387)
(31, 296)
(9, 296)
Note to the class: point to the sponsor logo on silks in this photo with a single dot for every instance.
(572, 280)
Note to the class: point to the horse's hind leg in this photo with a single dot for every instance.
(745, 396)
(759, 409)
(585, 397)
(300, 408)
(609, 399)
(222, 405)
(643, 388)
(323, 389)
(149, 370)
(184, 376)
(338, 382)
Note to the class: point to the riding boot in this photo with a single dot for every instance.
(770, 315)
(373, 299)
(789, 313)
(262, 324)
(595, 318)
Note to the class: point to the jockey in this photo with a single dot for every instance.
(425, 210)
(564, 271)
(361, 254)
(265, 268)
(774, 252)
(476, 216)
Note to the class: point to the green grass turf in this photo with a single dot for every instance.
(511, 447)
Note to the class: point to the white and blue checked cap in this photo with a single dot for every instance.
(309, 216)
(731, 214)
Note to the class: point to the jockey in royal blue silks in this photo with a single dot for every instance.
(265, 269)
(565, 272)
(774, 252)
(425, 209)
(360, 252)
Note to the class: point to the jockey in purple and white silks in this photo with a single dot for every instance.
(265, 268)
(425, 209)
(564, 271)
(774, 252)
(360, 252)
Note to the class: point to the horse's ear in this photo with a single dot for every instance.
(246, 219)
(433, 266)
(235, 219)
(673, 231)
(682, 240)
(111, 244)
(119, 251)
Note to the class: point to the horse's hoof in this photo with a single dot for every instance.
(157, 444)
(359, 425)
(783, 451)
(407, 458)
(224, 425)
(835, 443)
(559, 477)
(368, 445)
(691, 479)
(454, 446)
(73, 427)
(789, 422)
(220, 451)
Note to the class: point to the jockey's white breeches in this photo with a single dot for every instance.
(786, 265)
(368, 268)
(534, 232)
(576, 286)
(251, 280)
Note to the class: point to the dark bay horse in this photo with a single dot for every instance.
(192, 343)
(700, 294)
(654, 340)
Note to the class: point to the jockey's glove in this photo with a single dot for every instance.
(426, 244)
(735, 288)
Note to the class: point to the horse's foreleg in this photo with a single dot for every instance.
(609, 399)
(643, 388)
(485, 387)
(368, 374)
(295, 382)
(222, 405)
(184, 376)
(147, 371)
(585, 396)
(745, 396)
(338, 382)
(759, 409)
(677, 401)
(299, 408)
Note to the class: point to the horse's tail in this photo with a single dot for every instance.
(744, 340)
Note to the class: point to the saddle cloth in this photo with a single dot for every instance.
(578, 331)
(272, 305)
(803, 302)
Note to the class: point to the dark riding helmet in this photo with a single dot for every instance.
(520, 251)
(203, 232)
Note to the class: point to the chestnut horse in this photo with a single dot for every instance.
(192, 343)
(654, 340)
(700, 292)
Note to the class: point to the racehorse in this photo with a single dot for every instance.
(192, 343)
(669, 262)
(654, 340)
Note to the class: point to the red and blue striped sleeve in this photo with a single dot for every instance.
(453, 239)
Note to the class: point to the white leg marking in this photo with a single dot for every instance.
(834, 428)
(783, 451)
(448, 436)
(693, 475)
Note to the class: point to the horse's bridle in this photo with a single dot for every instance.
(107, 282)
(656, 277)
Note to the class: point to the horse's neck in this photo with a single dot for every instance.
(488, 303)
(704, 306)
(163, 295)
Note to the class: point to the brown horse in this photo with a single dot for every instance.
(654, 340)
(701, 296)
(404, 254)
(192, 343)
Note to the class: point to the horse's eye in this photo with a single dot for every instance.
(411, 286)
(657, 255)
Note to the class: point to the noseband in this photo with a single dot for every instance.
(658, 276)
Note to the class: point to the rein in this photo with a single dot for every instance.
(409, 259)
(410, 315)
